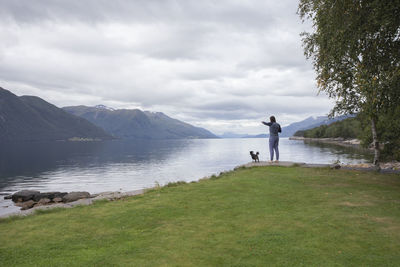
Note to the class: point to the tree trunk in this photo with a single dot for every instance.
(375, 142)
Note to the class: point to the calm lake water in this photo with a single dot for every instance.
(124, 165)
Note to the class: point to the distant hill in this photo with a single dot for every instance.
(30, 118)
(290, 130)
(134, 123)
(234, 135)
(310, 122)
(348, 129)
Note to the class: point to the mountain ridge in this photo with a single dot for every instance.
(138, 124)
(30, 118)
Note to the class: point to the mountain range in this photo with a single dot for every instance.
(235, 135)
(309, 123)
(134, 123)
(288, 131)
(30, 118)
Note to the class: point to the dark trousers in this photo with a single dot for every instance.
(273, 146)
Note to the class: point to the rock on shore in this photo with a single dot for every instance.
(74, 196)
(29, 207)
(27, 199)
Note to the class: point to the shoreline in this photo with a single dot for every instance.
(336, 141)
(393, 167)
(110, 196)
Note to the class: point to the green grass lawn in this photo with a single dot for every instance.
(261, 216)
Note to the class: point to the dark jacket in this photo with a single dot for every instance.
(274, 128)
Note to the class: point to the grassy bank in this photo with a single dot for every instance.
(259, 216)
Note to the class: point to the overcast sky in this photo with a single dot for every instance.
(222, 65)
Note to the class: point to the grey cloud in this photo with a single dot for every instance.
(227, 115)
(225, 105)
(257, 107)
(219, 64)
(243, 13)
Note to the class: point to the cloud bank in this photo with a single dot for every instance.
(222, 65)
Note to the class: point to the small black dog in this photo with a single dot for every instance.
(254, 156)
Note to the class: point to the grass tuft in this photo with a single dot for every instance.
(173, 184)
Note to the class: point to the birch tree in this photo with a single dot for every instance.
(355, 49)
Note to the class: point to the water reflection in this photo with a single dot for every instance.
(41, 160)
(90, 162)
(351, 152)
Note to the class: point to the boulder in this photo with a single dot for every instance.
(73, 196)
(44, 201)
(26, 205)
(49, 195)
(59, 194)
(57, 199)
(24, 195)
(8, 197)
